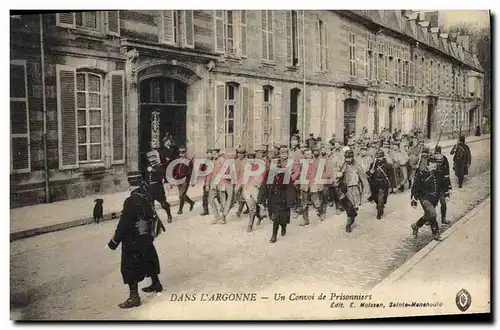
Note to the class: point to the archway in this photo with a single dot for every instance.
(351, 107)
(163, 106)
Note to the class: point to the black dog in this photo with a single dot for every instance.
(98, 213)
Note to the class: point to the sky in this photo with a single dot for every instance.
(475, 18)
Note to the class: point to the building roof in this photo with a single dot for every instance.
(396, 21)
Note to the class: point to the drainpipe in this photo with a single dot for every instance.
(377, 109)
(304, 69)
(44, 104)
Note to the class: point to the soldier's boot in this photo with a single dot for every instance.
(250, 223)
(283, 230)
(240, 209)
(133, 300)
(215, 220)
(305, 218)
(181, 205)
(166, 207)
(247, 211)
(223, 220)
(348, 228)
(435, 230)
(205, 212)
(443, 216)
(460, 181)
(275, 232)
(380, 212)
(409, 183)
(321, 215)
(414, 229)
(155, 285)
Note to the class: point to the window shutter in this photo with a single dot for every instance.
(167, 36)
(113, 22)
(219, 114)
(325, 48)
(265, 35)
(277, 110)
(270, 35)
(117, 111)
(288, 27)
(318, 47)
(188, 31)
(19, 119)
(245, 120)
(257, 132)
(243, 33)
(66, 117)
(219, 31)
(298, 36)
(66, 20)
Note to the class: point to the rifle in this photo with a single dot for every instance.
(157, 227)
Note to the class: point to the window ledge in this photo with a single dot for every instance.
(268, 64)
(93, 169)
(292, 68)
(88, 34)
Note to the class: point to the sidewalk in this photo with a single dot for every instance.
(460, 261)
(43, 218)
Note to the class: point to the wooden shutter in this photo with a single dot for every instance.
(113, 22)
(243, 33)
(245, 112)
(257, 132)
(19, 118)
(188, 30)
(317, 62)
(289, 43)
(277, 111)
(219, 31)
(117, 111)
(66, 117)
(299, 36)
(219, 114)
(167, 35)
(270, 35)
(265, 35)
(325, 47)
(66, 20)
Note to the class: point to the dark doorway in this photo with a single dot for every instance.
(294, 111)
(391, 117)
(350, 111)
(163, 105)
(430, 120)
(471, 118)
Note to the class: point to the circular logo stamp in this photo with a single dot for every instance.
(463, 300)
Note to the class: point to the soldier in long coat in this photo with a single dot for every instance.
(312, 191)
(379, 173)
(183, 171)
(280, 200)
(335, 163)
(461, 160)
(354, 188)
(133, 231)
(426, 191)
(206, 184)
(155, 174)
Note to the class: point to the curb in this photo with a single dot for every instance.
(413, 261)
(75, 223)
(433, 143)
(109, 216)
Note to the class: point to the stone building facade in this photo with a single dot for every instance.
(112, 84)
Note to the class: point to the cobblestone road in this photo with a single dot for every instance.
(71, 275)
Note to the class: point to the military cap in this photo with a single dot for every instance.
(251, 153)
(438, 157)
(258, 149)
(363, 146)
(135, 180)
(209, 150)
(283, 150)
(241, 150)
(379, 154)
(349, 153)
(283, 146)
(277, 147)
(319, 138)
(437, 149)
(432, 159)
(425, 150)
(386, 144)
(311, 134)
(216, 149)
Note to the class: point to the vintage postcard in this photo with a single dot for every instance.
(249, 164)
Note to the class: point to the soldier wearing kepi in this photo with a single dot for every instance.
(279, 197)
(461, 160)
(251, 187)
(240, 167)
(443, 173)
(182, 171)
(426, 190)
(311, 191)
(353, 186)
(155, 176)
(379, 181)
(135, 232)
(206, 184)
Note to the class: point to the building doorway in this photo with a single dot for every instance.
(351, 107)
(294, 111)
(163, 105)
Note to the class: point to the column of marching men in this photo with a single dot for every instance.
(356, 170)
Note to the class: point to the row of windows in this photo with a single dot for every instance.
(397, 66)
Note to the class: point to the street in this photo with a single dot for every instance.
(72, 275)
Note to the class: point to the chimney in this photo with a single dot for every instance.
(464, 41)
(443, 35)
(421, 16)
(433, 18)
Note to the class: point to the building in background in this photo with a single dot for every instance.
(111, 84)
